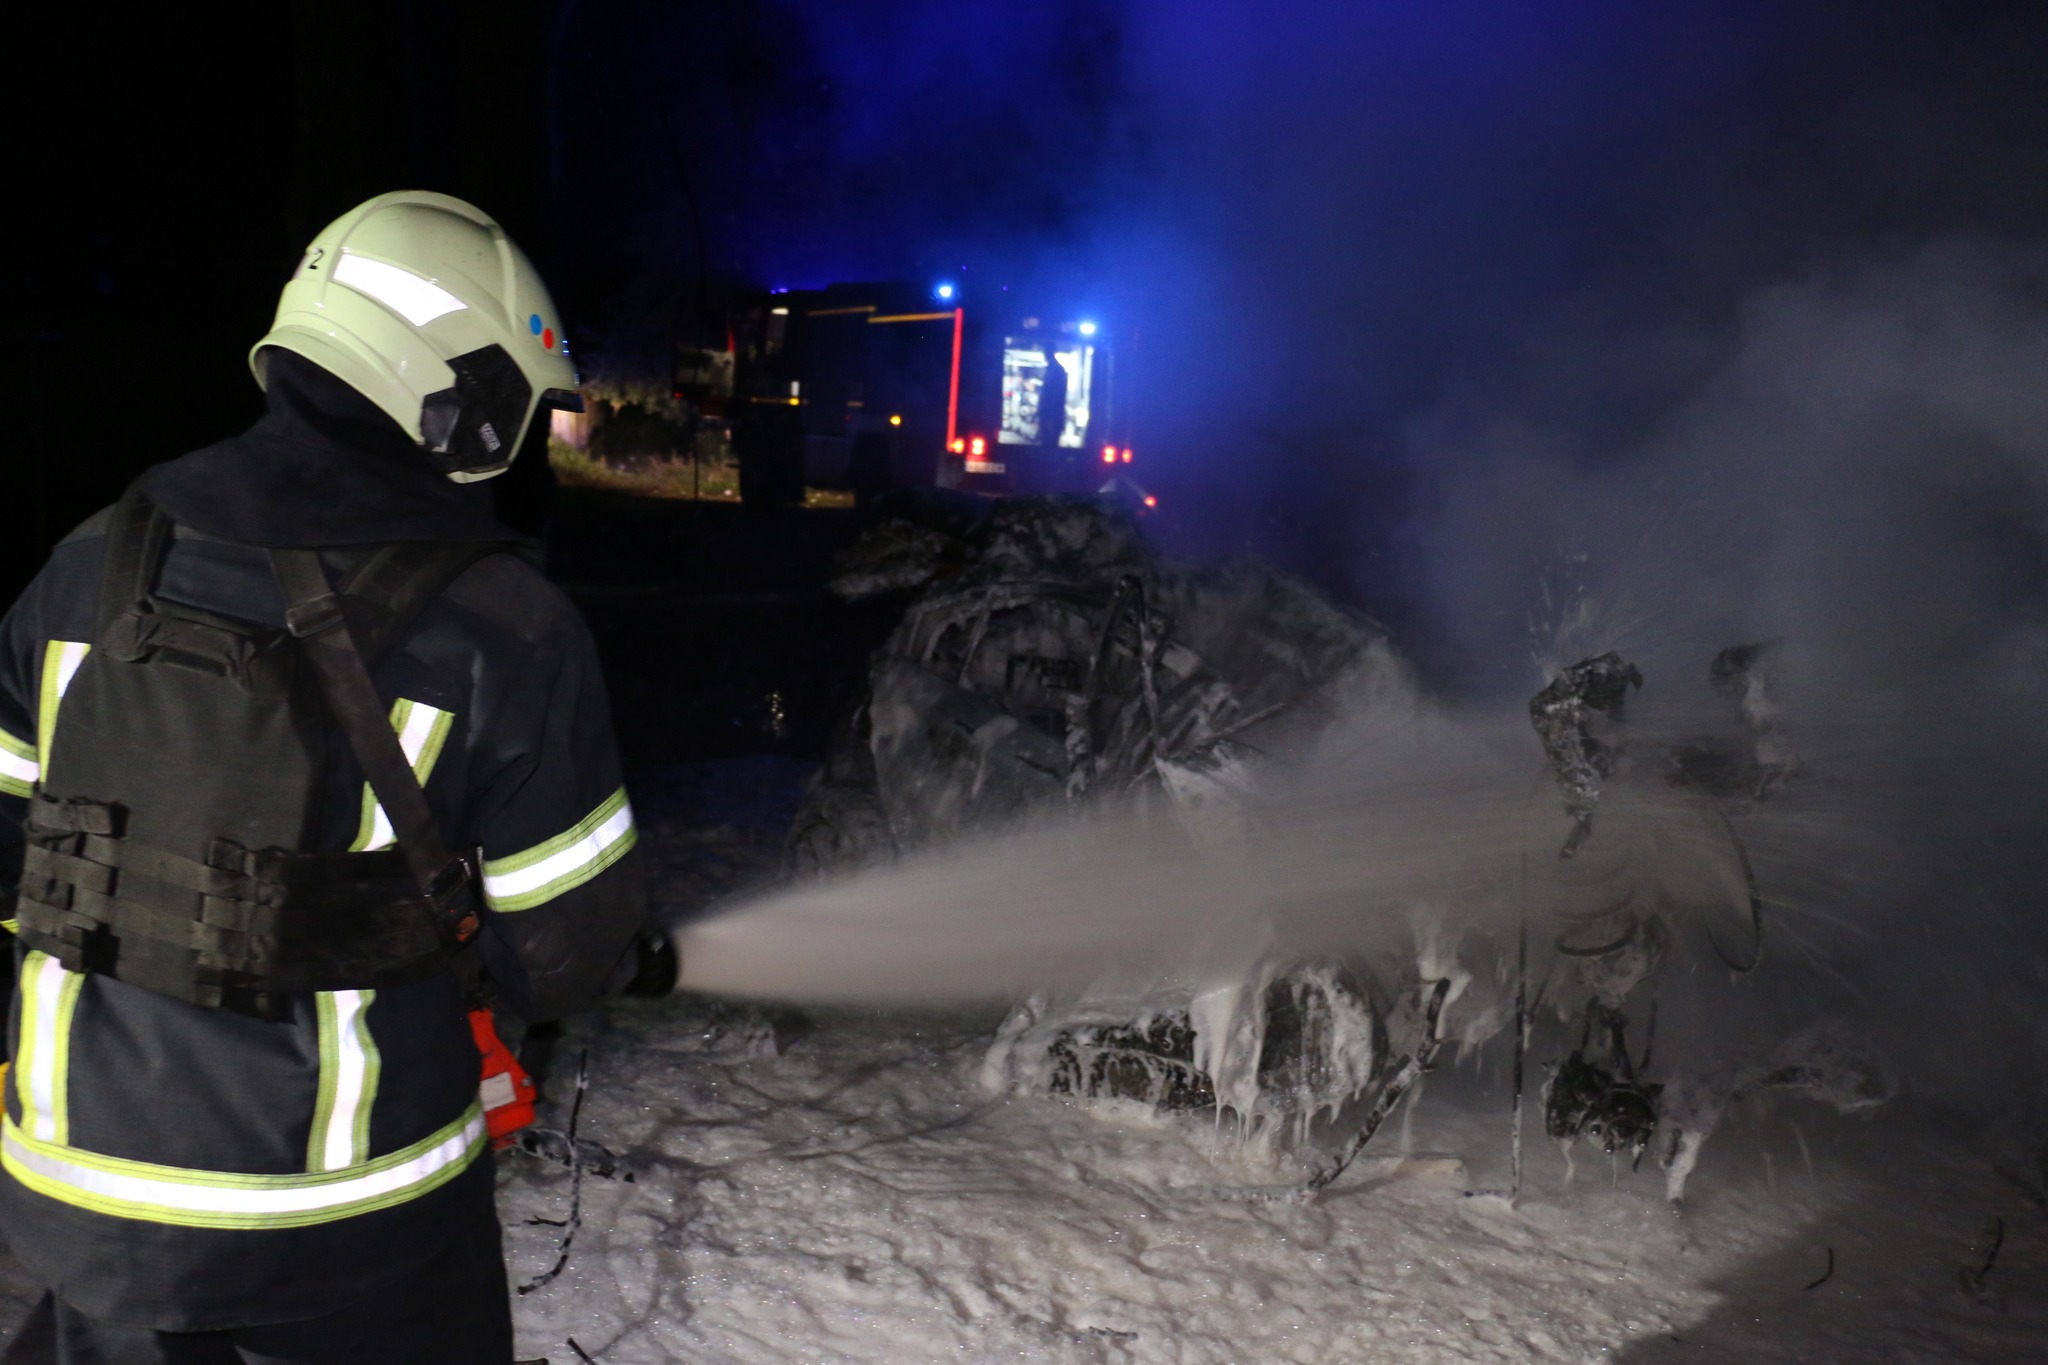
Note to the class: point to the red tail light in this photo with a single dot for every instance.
(1127, 454)
(976, 447)
(1151, 501)
(958, 446)
(1109, 454)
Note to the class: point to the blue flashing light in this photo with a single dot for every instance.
(1087, 329)
(942, 291)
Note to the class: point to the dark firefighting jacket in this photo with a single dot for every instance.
(187, 1168)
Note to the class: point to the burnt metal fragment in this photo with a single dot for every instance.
(1417, 1064)
(1308, 1014)
(1151, 1061)
(1588, 1101)
(1285, 1049)
(1046, 659)
(1564, 714)
(1595, 1093)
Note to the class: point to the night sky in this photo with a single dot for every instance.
(1319, 219)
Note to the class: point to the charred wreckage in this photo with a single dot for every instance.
(1047, 659)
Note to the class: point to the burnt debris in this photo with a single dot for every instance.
(1573, 717)
(1046, 658)
(1151, 1061)
(1595, 1092)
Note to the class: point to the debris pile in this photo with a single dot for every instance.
(1616, 942)
(1048, 659)
(1277, 1050)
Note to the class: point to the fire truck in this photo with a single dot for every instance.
(873, 387)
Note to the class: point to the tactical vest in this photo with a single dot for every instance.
(167, 840)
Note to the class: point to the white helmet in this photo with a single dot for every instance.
(423, 305)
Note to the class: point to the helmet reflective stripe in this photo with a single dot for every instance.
(350, 1066)
(61, 659)
(141, 1190)
(42, 1069)
(19, 768)
(416, 300)
(422, 730)
(423, 305)
(568, 860)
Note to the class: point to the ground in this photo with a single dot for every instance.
(861, 1197)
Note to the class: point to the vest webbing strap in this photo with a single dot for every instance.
(387, 590)
(137, 533)
(314, 615)
(258, 920)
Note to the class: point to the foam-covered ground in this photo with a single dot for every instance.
(862, 1199)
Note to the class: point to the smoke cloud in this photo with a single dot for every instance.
(1662, 331)
(1866, 480)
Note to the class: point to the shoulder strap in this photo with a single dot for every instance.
(393, 586)
(314, 615)
(137, 532)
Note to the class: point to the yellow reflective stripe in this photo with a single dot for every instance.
(349, 1067)
(49, 998)
(60, 1077)
(372, 1074)
(19, 767)
(142, 1190)
(61, 659)
(30, 986)
(422, 731)
(568, 860)
(324, 1011)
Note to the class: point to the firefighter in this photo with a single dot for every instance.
(308, 754)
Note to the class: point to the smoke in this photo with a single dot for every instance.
(1350, 216)
(1865, 479)
(1661, 329)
